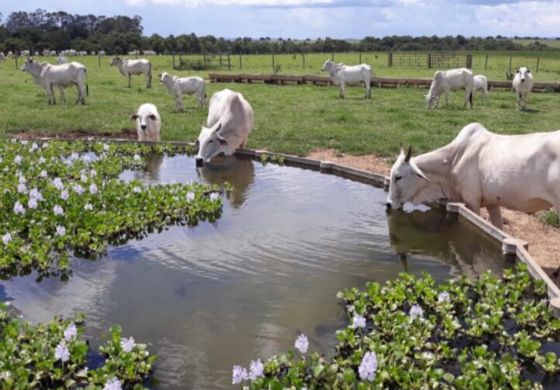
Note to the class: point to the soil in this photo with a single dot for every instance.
(544, 240)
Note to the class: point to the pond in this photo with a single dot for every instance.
(207, 297)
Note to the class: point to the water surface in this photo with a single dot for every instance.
(207, 297)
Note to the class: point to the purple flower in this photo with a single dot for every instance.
(18, 208)
(70, 332)
(17, 159)
(83, 177)
(239, 375)
(93, 173)
(256, 369)
(60, 231)
(93, 188)
(21, 188)
(128, 344)
(443, 297)
(358, 322)
(368, 366)
(42, 160)
(214, 196)
(57, 182)
(43, 173)
(35, 194)
(61, 352)
(190, 196)
(6, 238)
(58, 210)
(416, 312)
(64, 195)
(32, 203)
(113, 384)
(302, 343)
(78, 189)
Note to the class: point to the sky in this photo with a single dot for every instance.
(300, 19)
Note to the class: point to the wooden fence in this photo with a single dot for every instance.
(380, 82)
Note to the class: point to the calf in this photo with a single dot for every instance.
(132, 67)
(178, 86)
(342, 74)
(481, 83)
(148, 123)
(450, 80)
(230, 120)
(522, 84)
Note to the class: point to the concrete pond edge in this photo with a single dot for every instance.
(511, 246)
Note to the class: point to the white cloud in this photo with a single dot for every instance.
(523, 18)
(262, 3)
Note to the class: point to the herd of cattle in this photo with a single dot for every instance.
(479, 168)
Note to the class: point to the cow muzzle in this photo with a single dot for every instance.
(522, 80)
(143, 127)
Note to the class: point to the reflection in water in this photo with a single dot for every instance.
(439, 234)
(239, 172)
(153, 166)
(207, 297)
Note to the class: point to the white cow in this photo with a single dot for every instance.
(342, 74)
(450, 80)
(101, 53)
(148, 123)
(230, 120)
(178, 86)
(61, 60)
(481, 83)
(61, 76)
(2, 56)
(522, 84)
(129, 67)
(483, 169)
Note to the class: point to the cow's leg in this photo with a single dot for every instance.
(519, 104)
(52, 99)
(341, 90)
(62, 95)
(129, 76)
(149, 80)
(82, 93)
(495, 216)
(179, 103)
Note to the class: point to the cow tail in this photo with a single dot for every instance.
(87, 87)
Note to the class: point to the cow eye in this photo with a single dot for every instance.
(528, 71)
(398, 178)
(210, 141)
(152, 117)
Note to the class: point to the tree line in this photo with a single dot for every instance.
(40, 30)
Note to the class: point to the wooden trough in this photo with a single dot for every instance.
(380, 82)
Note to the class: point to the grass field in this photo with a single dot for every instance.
(292, 119)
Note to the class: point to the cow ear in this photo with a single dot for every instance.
(218, 128)
(408, 154)
(134, 117)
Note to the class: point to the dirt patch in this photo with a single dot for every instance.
(124, 133)
(544, 240)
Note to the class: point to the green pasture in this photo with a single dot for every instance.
(291, 119)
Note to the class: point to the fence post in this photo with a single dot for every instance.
(16, 57)
(469, 61)
(240, 61)
(303, 60)
(272, 63)
(538, 61)
(390, 59)
(360, 59)
(220, 60)
(332, 56)
(429, 60)
(510, 64)
(228, 63)
(98, 60)
(486, 62)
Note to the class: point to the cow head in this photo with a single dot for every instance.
(210, 143)
(523, 73)
(327, 65)
(142, 119)
(406, 180)
(163, 77)
(116, 61)
(430, 98)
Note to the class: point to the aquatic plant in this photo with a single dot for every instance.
(60, 198)
(56, 355)
(466, 334)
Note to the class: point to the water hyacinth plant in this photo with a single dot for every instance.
(490, 333)
(55, 356)
(64, 198)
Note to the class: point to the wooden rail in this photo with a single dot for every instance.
(380, 82)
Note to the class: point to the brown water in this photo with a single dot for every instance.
(208, 297)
